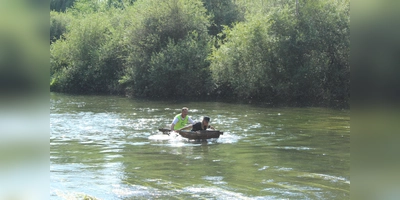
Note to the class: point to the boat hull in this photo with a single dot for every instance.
(195, 135)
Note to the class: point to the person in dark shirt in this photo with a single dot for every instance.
(203, 125)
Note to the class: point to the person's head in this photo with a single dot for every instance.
(206, 120)
(184, 111)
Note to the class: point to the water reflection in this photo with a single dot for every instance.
(109, 148)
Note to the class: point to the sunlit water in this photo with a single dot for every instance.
(108, 147)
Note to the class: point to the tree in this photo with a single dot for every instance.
(223, 13)
(282, 56)
(158, 30)
(240, 65)
(58, 25)
(60, 5)
(86, 61)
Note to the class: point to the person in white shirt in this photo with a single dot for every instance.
(181, 120)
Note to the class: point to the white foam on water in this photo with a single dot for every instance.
(283, 168)
(228, 137)
(284, 191)
(139, 143)
(326, 177)
(216, 192)
(159, 137)
(217, 180)
(132, 190)
(263, 168)
(295, 148)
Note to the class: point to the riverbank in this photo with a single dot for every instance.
(215, 98)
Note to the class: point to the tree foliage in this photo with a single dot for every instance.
(275, 51)
(287, 57)
(58, 25)
(61, 5)
(223, 13)
(87, 59)
(165, 33)
(180, 69)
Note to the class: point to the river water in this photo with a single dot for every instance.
(108, 147)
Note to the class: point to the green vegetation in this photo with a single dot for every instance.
(286, 57)
(58, 25)
(272, 51)
(168, 45)
(60, 5)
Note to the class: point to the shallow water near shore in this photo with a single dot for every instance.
(109, 147)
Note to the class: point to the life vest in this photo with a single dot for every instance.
(181, 122)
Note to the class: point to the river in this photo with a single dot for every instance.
(108, 147)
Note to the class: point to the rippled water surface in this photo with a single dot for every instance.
(108, 147)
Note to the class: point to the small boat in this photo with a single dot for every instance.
(194, 135)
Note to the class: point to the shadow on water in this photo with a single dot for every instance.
(109, 148)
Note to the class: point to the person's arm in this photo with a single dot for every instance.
(211, 127)
(173, 123)
(191, 121)
(186, 127)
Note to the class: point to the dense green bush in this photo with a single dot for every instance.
(87, 60)
(180, 69)
(223, 13)
(159, 29)
(287, 57)
(58, 25)
(60, 5)
(327, 26)
(241, 63)
(275, 51)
